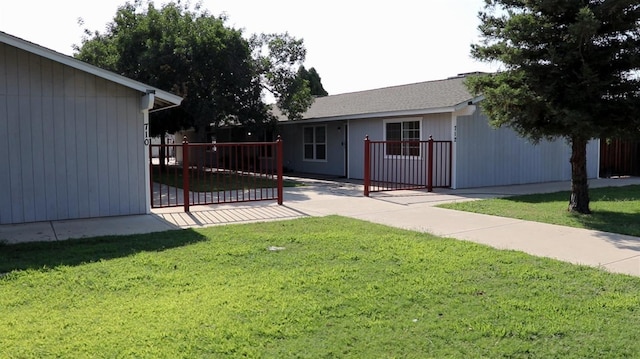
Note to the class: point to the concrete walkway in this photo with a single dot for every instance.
(414, 210)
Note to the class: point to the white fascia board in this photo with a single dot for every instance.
(372, 115)
(83, 66)
(471, 102)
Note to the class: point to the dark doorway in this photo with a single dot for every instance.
(619, 157)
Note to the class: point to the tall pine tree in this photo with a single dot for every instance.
(570, 70)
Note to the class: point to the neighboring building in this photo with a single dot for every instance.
(73, 137)
(329, 140)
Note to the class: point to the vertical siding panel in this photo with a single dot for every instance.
(26, 133)
(93, 177)
(26, 161)
(5, 176)
(15, 160)
(51, 182)
(134, 153)
(71, 147)
(49, 158)
(122, 155)
(112, 146)
(474, 149)
(72, 142)
(13, 138)
(102, 135)
(507, 158)
(82, 188)
(3, 70)
(38, 161)
(357, 132)
(59, 136)
(37, 146)
(48, 141)
(593, 149)
(438, 126)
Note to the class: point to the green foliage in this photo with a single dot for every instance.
(277, 57)
(570, 71)
(195, 55)
(614, 209)
(315, 82)
(570, 67)
(333, 287)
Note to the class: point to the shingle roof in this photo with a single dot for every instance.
(423, 96)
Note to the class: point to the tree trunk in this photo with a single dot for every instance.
(579, 201)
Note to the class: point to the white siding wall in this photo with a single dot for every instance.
(493, 157)
(71, 144)
(436, 125)
(358, 130)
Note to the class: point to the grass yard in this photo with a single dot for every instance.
(214, 181)
(615, 209)
(330, 287)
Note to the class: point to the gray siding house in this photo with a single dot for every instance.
(73, 137)
(329, 139)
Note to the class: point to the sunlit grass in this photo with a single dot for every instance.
(310, 288)
(614, 209)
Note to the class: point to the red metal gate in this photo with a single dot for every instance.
(213, 173)
(404, 165)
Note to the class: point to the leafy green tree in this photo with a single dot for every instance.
(195, 55)
(315, 82)
(570, 70)
(278, 56)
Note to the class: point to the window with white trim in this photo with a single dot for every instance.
(315, 143)
(403, 131)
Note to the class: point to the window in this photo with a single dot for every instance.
(403, 131)
(315, 143)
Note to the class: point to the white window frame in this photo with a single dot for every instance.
(401, 122)
(315, 144)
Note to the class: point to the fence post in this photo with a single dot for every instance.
(367, 165)
(430, 166)
(185, 173)
(280, 175)
(150, 159)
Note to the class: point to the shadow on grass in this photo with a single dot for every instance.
(42, 255)
(614, 223)
(604, 194)
(613, 211)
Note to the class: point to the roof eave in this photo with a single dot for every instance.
(163, 99)
(374, 115)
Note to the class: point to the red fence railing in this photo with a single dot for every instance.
(405, 165)
(213, 173)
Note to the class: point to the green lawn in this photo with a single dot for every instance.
(615, 209)
(334, 288)
(214, 181)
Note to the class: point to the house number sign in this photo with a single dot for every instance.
(147, 140)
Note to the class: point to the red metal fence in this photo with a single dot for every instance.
(404, 165)
(213, 173)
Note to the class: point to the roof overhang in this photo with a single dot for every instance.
(162, 99)
(389, 114)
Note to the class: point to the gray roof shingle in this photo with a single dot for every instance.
(426, 96)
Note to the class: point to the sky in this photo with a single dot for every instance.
(354, 45)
